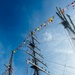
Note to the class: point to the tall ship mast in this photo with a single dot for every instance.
(9, 69)
(35, 60)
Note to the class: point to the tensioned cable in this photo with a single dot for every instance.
(53, 56)
(60, 69)
(64, 65)
(65, 62)
(70, 41)
(46, 46)
(54, 71)
(67, 66)
(54, 47)
(71, 37)
(60, 64)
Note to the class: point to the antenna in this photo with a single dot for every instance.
(35, 60)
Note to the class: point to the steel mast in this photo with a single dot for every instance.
(68, 25)
(9, 68)
(35, 60)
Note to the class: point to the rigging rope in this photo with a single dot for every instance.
(65, 62)
(54, 47)
(60, 64)
(54, 67)
(68, 36)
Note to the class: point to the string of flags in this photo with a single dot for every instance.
(44, 24)
(35, 30)
(66, 8)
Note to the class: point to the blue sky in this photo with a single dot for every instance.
(18, 17)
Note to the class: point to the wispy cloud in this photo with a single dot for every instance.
(47, 36)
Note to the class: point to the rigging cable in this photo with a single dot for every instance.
(61, 65)
(65, 62)
(69, 39)
(56, 46)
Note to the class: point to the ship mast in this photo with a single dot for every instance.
(9, 68)
(35, 60)
(68, 25)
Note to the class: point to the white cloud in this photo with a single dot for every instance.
(47, 36)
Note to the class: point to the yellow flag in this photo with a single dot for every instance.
(62, 11)
(37, 28)
(50, 19)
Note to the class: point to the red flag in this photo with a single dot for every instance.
(65, 9)
(40, 26)
(72, 4)
(67, 6)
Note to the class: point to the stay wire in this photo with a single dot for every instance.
(47, 45)
(55, 46)
(53, 56)
(65, 62)
(69, 39)
(55, 71)
(60, 69)
(60, 64)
